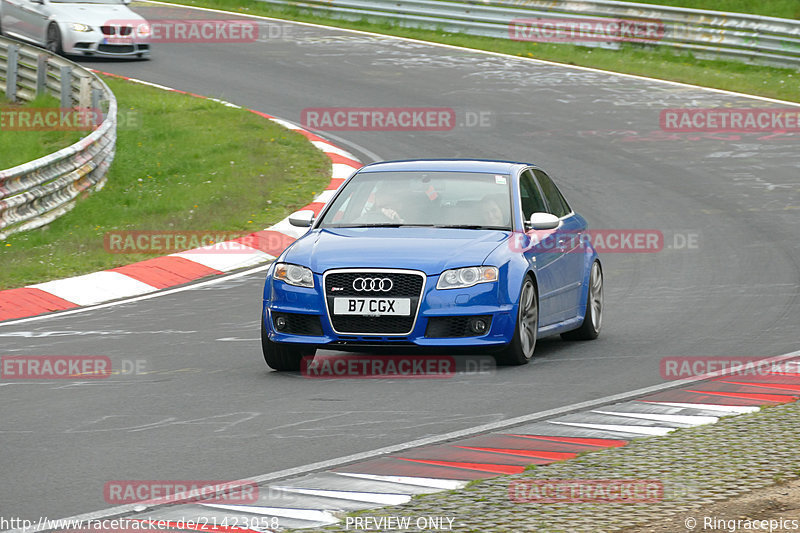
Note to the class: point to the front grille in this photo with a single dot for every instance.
(298, 324)
(455, 326)
(404, 284)
(115, 48)
(116, 30)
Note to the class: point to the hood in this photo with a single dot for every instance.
(94, 14)
(430, 250)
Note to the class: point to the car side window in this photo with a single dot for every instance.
(531, 197)
(558, 205)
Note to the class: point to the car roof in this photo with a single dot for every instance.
(447, 165)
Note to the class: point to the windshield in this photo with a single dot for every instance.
(438, 199)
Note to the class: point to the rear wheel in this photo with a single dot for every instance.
(520, 350)
(593, 319)
(53, 43)
(282, 357)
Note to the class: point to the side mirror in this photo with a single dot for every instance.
(543, 221)
(302, 219)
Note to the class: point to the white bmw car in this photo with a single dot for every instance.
(80, 27)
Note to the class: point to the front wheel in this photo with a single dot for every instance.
(53, 43)
(520, 350)
(282, 357)
(593, 319)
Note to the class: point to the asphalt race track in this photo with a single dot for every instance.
(209, 409)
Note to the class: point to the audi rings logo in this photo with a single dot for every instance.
(372, 284)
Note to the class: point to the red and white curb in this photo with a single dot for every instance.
(394, 475)
(320, 498)
(160, 273)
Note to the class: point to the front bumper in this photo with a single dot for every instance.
(482, 300)
(97, 43)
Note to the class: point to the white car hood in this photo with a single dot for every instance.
(93, 14)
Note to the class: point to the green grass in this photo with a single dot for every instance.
(788, 9)
(780, 83)
(17, 147)
(182, 163)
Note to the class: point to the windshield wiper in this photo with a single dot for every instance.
(471, 226)
(390, 225)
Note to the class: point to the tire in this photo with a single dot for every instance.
(282, 357)
(53, 42)
(593, 319)
(520, 350)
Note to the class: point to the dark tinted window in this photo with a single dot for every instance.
(529, 194)
(558, 205)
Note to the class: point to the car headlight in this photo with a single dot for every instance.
(459, 278)
(143, 30)
(297, 275)
(77, 26)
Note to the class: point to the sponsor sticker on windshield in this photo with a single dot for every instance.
(500, 180)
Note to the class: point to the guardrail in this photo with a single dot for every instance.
(706, 34)
(35, 193)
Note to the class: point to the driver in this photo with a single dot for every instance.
(491, 213)
(385, 204)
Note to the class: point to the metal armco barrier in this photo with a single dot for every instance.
(706, 34)
(35, 193)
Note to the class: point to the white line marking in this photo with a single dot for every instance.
(312, 515)
(225, 262)
(357, 147)
(735, 409)
(329, 148)
(366, 497)
(287, 229)
(692, 420)
(286, 124)
(90, 289)
(428, 482)
(638, 430)
(341, 171)
(325, 196)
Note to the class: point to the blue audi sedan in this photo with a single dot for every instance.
(432, 255)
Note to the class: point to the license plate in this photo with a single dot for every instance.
(372, 306)
(119, 39)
